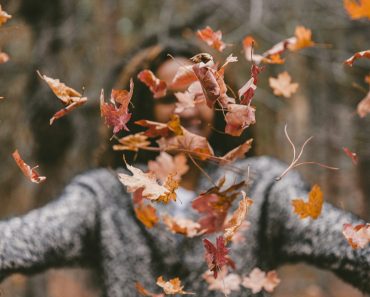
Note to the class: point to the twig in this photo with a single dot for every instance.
(295, 159)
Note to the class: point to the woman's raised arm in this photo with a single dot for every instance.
(61, 233)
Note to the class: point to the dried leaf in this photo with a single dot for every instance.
(4, 57)
(162, 129)
(238, 118)
(313, 207)
(172, 286)
(352, 155)
(67, 109)
(165, 165)
(183, 77)
(208, 80)
(358, 55)
(258, 280)
(217, 256)
(29, 172)
(146, 214)
(246, 92)
(132, 142)
(236, 220)
(224, 283)
(213, 39)
(363, 107)
(237, 152)
(4, 16)
(301, 40)
(282, 85)
(182, 226)
(141, 290)
(357, 9)
(357, 236)
(157, 87)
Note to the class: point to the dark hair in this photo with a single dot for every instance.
(151, 57)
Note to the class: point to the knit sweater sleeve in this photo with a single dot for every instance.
(287, 239)
(62, 233)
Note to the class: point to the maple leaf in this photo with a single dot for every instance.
(183, 77)
(282, 85)
(358, 55)
(357, 9)
(213, 39)
(363, 107)
(193, 95)
(141, 290)
(237, 152)
(68, 96)
(162, 129)
(4, 16)
(157, 87)
(182, 226)
(116, 117)
(352, 155)
(152, 190)
(357, 236)
(312, 208)
(172, 286)
(165, 164)
(224, 283)
(301, 40)
(236, 220)
(208, 80)
(258, 280)
(29, 172)
(4, 57)
(214, 205)
(238, 118)
(146, 214)
(132, 142)
(217, 256)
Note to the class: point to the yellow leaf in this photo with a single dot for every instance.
(313, 207)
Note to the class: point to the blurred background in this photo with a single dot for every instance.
(81, 42)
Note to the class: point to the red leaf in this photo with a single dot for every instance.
(213, 39)
(208, 81)
(217, 256)
(29, 172)
(157, 87)
(238, 118)
(358, 55)
(352, 155)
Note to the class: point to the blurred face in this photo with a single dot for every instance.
(196, 119)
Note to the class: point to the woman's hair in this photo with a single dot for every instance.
(151, 57)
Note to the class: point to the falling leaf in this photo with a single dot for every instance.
(68, 96)
(217, 256)
(282, 85)
(238, 118)
(236, 220)
(29, 172)
(301, 40)
(357, 236)
(239, 237)
(237, 152)
(172, 286)
(183, 77)
(132, 142)
(4, 17)
(157, 87)
(208, 80)
(146, 214)
(213, 39)
(312, 208)
(162, 129)
(182, 226)
(352, 155)
(141, 290)
(358, 55)
(363, 107)
(258, 280)
(4, 57)
(152, 190)
(247, 91)
(357, 9)
(224, 283)
(165, 164)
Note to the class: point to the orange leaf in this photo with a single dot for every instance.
(302, 39)
(132, 142)
(182, 226)
(357, 236)
(312, 208)
(213, 39)
(29, 172)
(358, 55)
(4, 17)
(258, 280)
(282, 85)
(165, 164)
(4, 57)
(238, 118)
(172, 286)
(363, 107)
(237, 152)
(157, 87)
(139, 287)
(146, 214)
(357, 9)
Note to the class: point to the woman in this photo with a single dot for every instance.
(93, 222)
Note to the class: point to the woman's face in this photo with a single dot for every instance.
(197, 119)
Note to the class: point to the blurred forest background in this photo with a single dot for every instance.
(81, 42)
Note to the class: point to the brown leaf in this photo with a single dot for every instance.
(358, 55)
(238, 118)
(157, 87)
(237, 152)
(184, 77)
(213, 39)
(132, 142)
(282, 85)
(172, 286)
(29, 172)
(141, 290)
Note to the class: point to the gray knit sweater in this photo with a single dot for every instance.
(93, 224)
